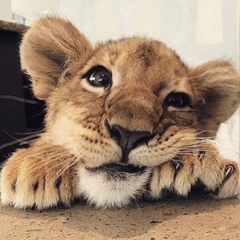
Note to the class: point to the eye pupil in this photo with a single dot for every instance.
(99, 77)
(175, 101)
(179, 100)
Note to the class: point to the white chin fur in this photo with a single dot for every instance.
(106, 191)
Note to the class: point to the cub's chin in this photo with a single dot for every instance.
(113, 185)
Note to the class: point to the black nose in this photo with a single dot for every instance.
(127, 139)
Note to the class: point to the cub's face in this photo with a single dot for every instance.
(123, 107)
(131, 103)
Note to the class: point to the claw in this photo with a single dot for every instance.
(229, 170)
(201, 155)
(177, 164)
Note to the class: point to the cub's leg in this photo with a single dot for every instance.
(42, 176)
(204, 165)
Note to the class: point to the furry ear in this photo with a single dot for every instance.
(48, 48)
(217, 89)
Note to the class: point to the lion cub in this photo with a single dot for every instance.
(125, 119)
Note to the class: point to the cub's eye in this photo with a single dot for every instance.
(99, 77)
(177, 99)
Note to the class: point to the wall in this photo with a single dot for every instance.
(5, 10)
(198, 30)
(32, 9)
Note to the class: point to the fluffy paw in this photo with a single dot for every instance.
(28, 180)
(219, 176)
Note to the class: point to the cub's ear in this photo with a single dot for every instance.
(216, 86)
(48, 49)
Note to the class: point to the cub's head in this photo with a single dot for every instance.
(122, 107)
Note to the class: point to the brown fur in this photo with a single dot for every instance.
(57, 56)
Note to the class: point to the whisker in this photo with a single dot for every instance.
(61, 166)
(58, 161)
(64, 169)
(19, 99)
(18, 141)
(27, 142)
(229, 149)
(8, 134)
(26, 133)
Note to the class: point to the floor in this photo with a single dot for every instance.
(198, 217)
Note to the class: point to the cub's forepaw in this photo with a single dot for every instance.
(230, 181)
(219, 177)
(31, 182)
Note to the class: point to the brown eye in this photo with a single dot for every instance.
(99, 77)
(177, 99)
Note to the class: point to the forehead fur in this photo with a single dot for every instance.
(143, 54)
(139, 60)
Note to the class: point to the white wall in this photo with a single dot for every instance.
(32, 9)
(5, 10)
(199, 30)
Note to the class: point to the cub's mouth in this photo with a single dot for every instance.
(118, 167)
